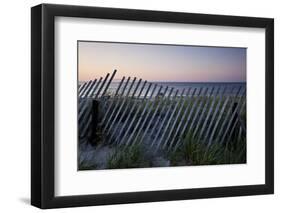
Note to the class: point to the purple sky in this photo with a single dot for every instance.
(162, 62)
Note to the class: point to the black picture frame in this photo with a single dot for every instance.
(43, 117)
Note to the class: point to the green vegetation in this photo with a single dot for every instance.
(195, 152)
(128, 157)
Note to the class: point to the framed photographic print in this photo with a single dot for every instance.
(140, 106)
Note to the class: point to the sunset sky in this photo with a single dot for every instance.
(161, 62)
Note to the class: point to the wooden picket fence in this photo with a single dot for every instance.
(158, 116)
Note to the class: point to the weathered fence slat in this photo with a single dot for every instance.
(112, 101)
(81, 87)
(81, 104)
(210, 125)
(121, 106)
(211, 107)
(167, 113)
(203, 112)
(188, 101)
(101, 86)
(108, 83)
(81, 91)
(162, 102)
(181, 136)
(124, 112)
(85, 89)
(138, 123)
(86, 110)
(91, 93)
(121, 141)
(131, 112)
(231, 119)
(226, 119)
(155, 104)
(116, 105)
(84, 95)
(83, 122)
(166, 110)
(200, 102)
(173, 124)
(218, 120)
(85, 115)
(236, 122)
(222, 110)
(145, 116)
(89, 89)
(170, 119)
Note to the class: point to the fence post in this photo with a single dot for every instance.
(95, 117)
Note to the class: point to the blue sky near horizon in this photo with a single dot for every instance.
(162, 62)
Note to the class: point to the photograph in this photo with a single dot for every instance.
(160, 105)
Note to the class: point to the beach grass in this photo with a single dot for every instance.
(195, 152)
(127, 157)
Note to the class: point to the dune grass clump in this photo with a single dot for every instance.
(127, 157)
(195, 152)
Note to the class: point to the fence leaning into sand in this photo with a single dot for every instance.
(160, 116)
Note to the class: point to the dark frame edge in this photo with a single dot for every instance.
(269, 105)
(42, 107)
(158, 196)
(36, 60)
